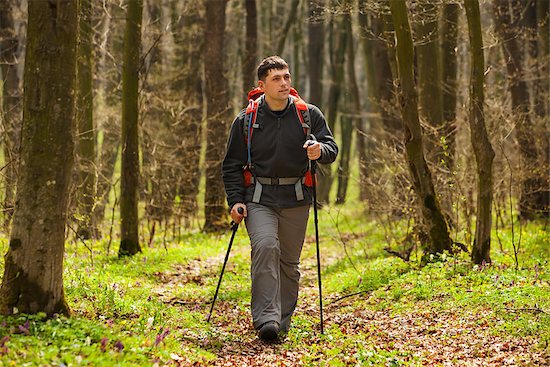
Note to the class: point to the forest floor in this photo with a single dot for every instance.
(150, 310)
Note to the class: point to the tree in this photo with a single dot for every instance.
(542, 94)
(85, 122)
(189, 52)
(430, 101)
(10, 111)
(217, 115)
(129, 184)
(251, 49)
(337, 42)
(315, 49)
(480, 141)
(543, 55)
(384, 125)
(449, 37)
(282, 36)
(351, 120)
(106, 70)
(33, 273)
(437, 230)
(532, 173)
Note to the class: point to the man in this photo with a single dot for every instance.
(275, 151)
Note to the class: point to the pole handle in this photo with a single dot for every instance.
(234, 225)
(312, 164)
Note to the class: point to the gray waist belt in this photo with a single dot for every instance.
(272, 181)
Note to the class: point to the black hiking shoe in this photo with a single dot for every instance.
(269, 331)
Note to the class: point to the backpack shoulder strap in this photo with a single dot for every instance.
(303, 114)
(250, 117)
(250, 123)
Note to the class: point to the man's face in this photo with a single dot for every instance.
(276, 85)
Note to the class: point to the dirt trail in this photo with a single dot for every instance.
(417, 338)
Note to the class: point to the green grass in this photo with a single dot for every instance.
(151, 309)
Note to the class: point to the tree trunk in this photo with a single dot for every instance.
(449, 37)
(129, 184)
(33, 273)
(384, 91)
(430, 99)
(437, 230)
(10, 111)
(315, 48)
(282, 36)
(372, 104)
(298, 55)
(532, 174)
(337, 42)
(217, 115)
(109, 98)
(543, 56)
(481, 251)
(542, 95)
(189, 52)
(85, 122)
(107, 159)
(350, 122)
(251, 47)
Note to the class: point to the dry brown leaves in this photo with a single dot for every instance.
(420, 337)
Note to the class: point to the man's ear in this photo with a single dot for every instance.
(261, 84)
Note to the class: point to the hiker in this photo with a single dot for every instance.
(265, 172)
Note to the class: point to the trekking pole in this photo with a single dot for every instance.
(313, 168)
(234, 227)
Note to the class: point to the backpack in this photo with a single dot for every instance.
(255, 98)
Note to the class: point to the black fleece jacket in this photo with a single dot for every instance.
(277, 151)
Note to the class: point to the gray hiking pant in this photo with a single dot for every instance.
(276, 237)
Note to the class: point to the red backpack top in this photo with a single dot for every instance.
(254, 100)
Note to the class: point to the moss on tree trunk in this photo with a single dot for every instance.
(33, 273)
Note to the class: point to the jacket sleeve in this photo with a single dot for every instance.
(233, 163)
(321, 131)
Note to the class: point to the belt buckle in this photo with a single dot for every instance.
(274, 181)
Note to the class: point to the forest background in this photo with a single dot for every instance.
(115, 116)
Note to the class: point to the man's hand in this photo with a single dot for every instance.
(237, 218)
(313, 149)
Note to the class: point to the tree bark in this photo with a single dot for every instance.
(11, 104)
(437, 229)
(282, 36)
(429, 81)
(33, 273)
(481, 251)
(449, 37)
(189, 52)
(542, 95)
(85, 122)
(352, 121)
(217, 115)
(543, 56)
(129, 184)
(251, 48)
(337, 42)
(315, 48)
(533, 176)
(109, 21)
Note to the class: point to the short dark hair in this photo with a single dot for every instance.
(270, 63)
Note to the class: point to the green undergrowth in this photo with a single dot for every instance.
(151, 309)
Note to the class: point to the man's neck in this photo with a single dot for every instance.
(275, 104)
